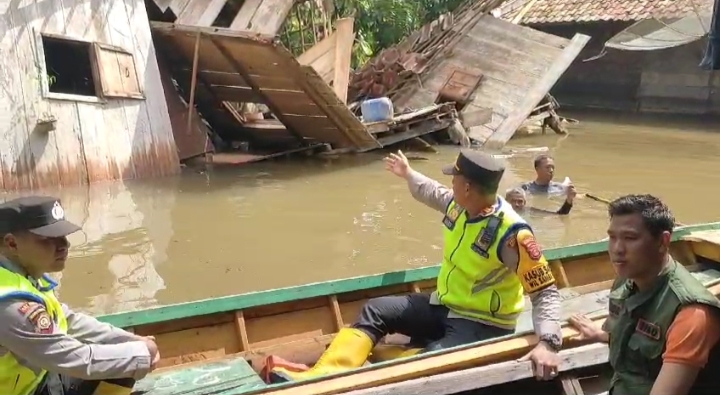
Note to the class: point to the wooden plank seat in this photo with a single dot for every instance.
(220, 377)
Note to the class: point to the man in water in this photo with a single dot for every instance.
(664, 325)
(517, 199)
(544, 184)
(45, 347)
(490, 259)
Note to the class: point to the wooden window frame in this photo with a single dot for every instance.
(97, 73)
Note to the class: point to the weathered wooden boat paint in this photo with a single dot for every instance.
(205, 344)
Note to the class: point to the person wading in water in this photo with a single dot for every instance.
(664, 325)
(490, 260)
(544, 174)
(518, 201)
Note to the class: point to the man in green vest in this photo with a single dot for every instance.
(45, 347)
(663, 325)
(490, 260)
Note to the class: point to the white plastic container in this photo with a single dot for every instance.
(566, 184)
(376, 110)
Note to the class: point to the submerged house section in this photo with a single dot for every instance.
(243, 67)
(100, 116)
(496, 72)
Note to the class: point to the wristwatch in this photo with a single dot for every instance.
(552, 341)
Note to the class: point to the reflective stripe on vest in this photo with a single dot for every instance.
(16, 379)
(473, 281)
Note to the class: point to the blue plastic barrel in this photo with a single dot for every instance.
(375, 110)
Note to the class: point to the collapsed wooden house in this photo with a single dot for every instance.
(496, 71)
(100, 116)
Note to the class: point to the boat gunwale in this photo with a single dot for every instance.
(334, 287)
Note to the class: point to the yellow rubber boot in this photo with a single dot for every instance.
(348, 350)
(387, 352)
(106, 388)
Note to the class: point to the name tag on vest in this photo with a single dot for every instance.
(648, 329)
(452, 216)
(487, 236)
(614, 308)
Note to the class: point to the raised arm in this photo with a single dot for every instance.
(424, 189)
(428, 191)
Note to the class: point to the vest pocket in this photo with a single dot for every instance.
(642, 354)
(495, 302)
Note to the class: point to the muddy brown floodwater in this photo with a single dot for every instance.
(157, 242)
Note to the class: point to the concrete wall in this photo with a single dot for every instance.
(647, 81)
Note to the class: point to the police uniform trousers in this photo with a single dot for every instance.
(59, 384)
(427, 325)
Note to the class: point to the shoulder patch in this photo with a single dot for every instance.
(41, 320)
(26, 307)
(531, 246)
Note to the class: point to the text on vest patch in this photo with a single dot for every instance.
(648, 329)
(537, 278)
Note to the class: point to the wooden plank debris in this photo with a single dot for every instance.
(517, 66)
(531, 98)
(242, 67)
(343, 55)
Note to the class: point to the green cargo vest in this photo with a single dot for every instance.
(638, 324)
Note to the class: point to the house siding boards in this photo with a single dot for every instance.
(92, 140)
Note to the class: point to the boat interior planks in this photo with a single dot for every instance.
(238, 333)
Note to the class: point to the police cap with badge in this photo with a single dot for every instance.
(477, 167)
(40, 215)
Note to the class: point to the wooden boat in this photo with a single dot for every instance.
(218, 346)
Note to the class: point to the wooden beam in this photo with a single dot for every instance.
(487, 376)
(571, 385)
(262, 16)
(321, 57)
(248, 79)
(343, 55)
(193, 83)
(165, 28)
(508, 127)
(200, 12)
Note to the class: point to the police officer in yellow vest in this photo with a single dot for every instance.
(45, 347)
(490, 260)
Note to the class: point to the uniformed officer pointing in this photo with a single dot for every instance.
(45, 347)
(490, 259)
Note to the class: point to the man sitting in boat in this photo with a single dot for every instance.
(544, 173)
(45, 347)
(518, 200)
(490, 259)
(663, 325)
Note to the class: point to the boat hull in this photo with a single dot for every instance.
(220, 345)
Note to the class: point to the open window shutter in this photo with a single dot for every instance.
(117, 73)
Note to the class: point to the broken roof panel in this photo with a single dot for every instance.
(568, 11)
(246, 67)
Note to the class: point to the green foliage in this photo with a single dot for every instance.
(379, 24)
